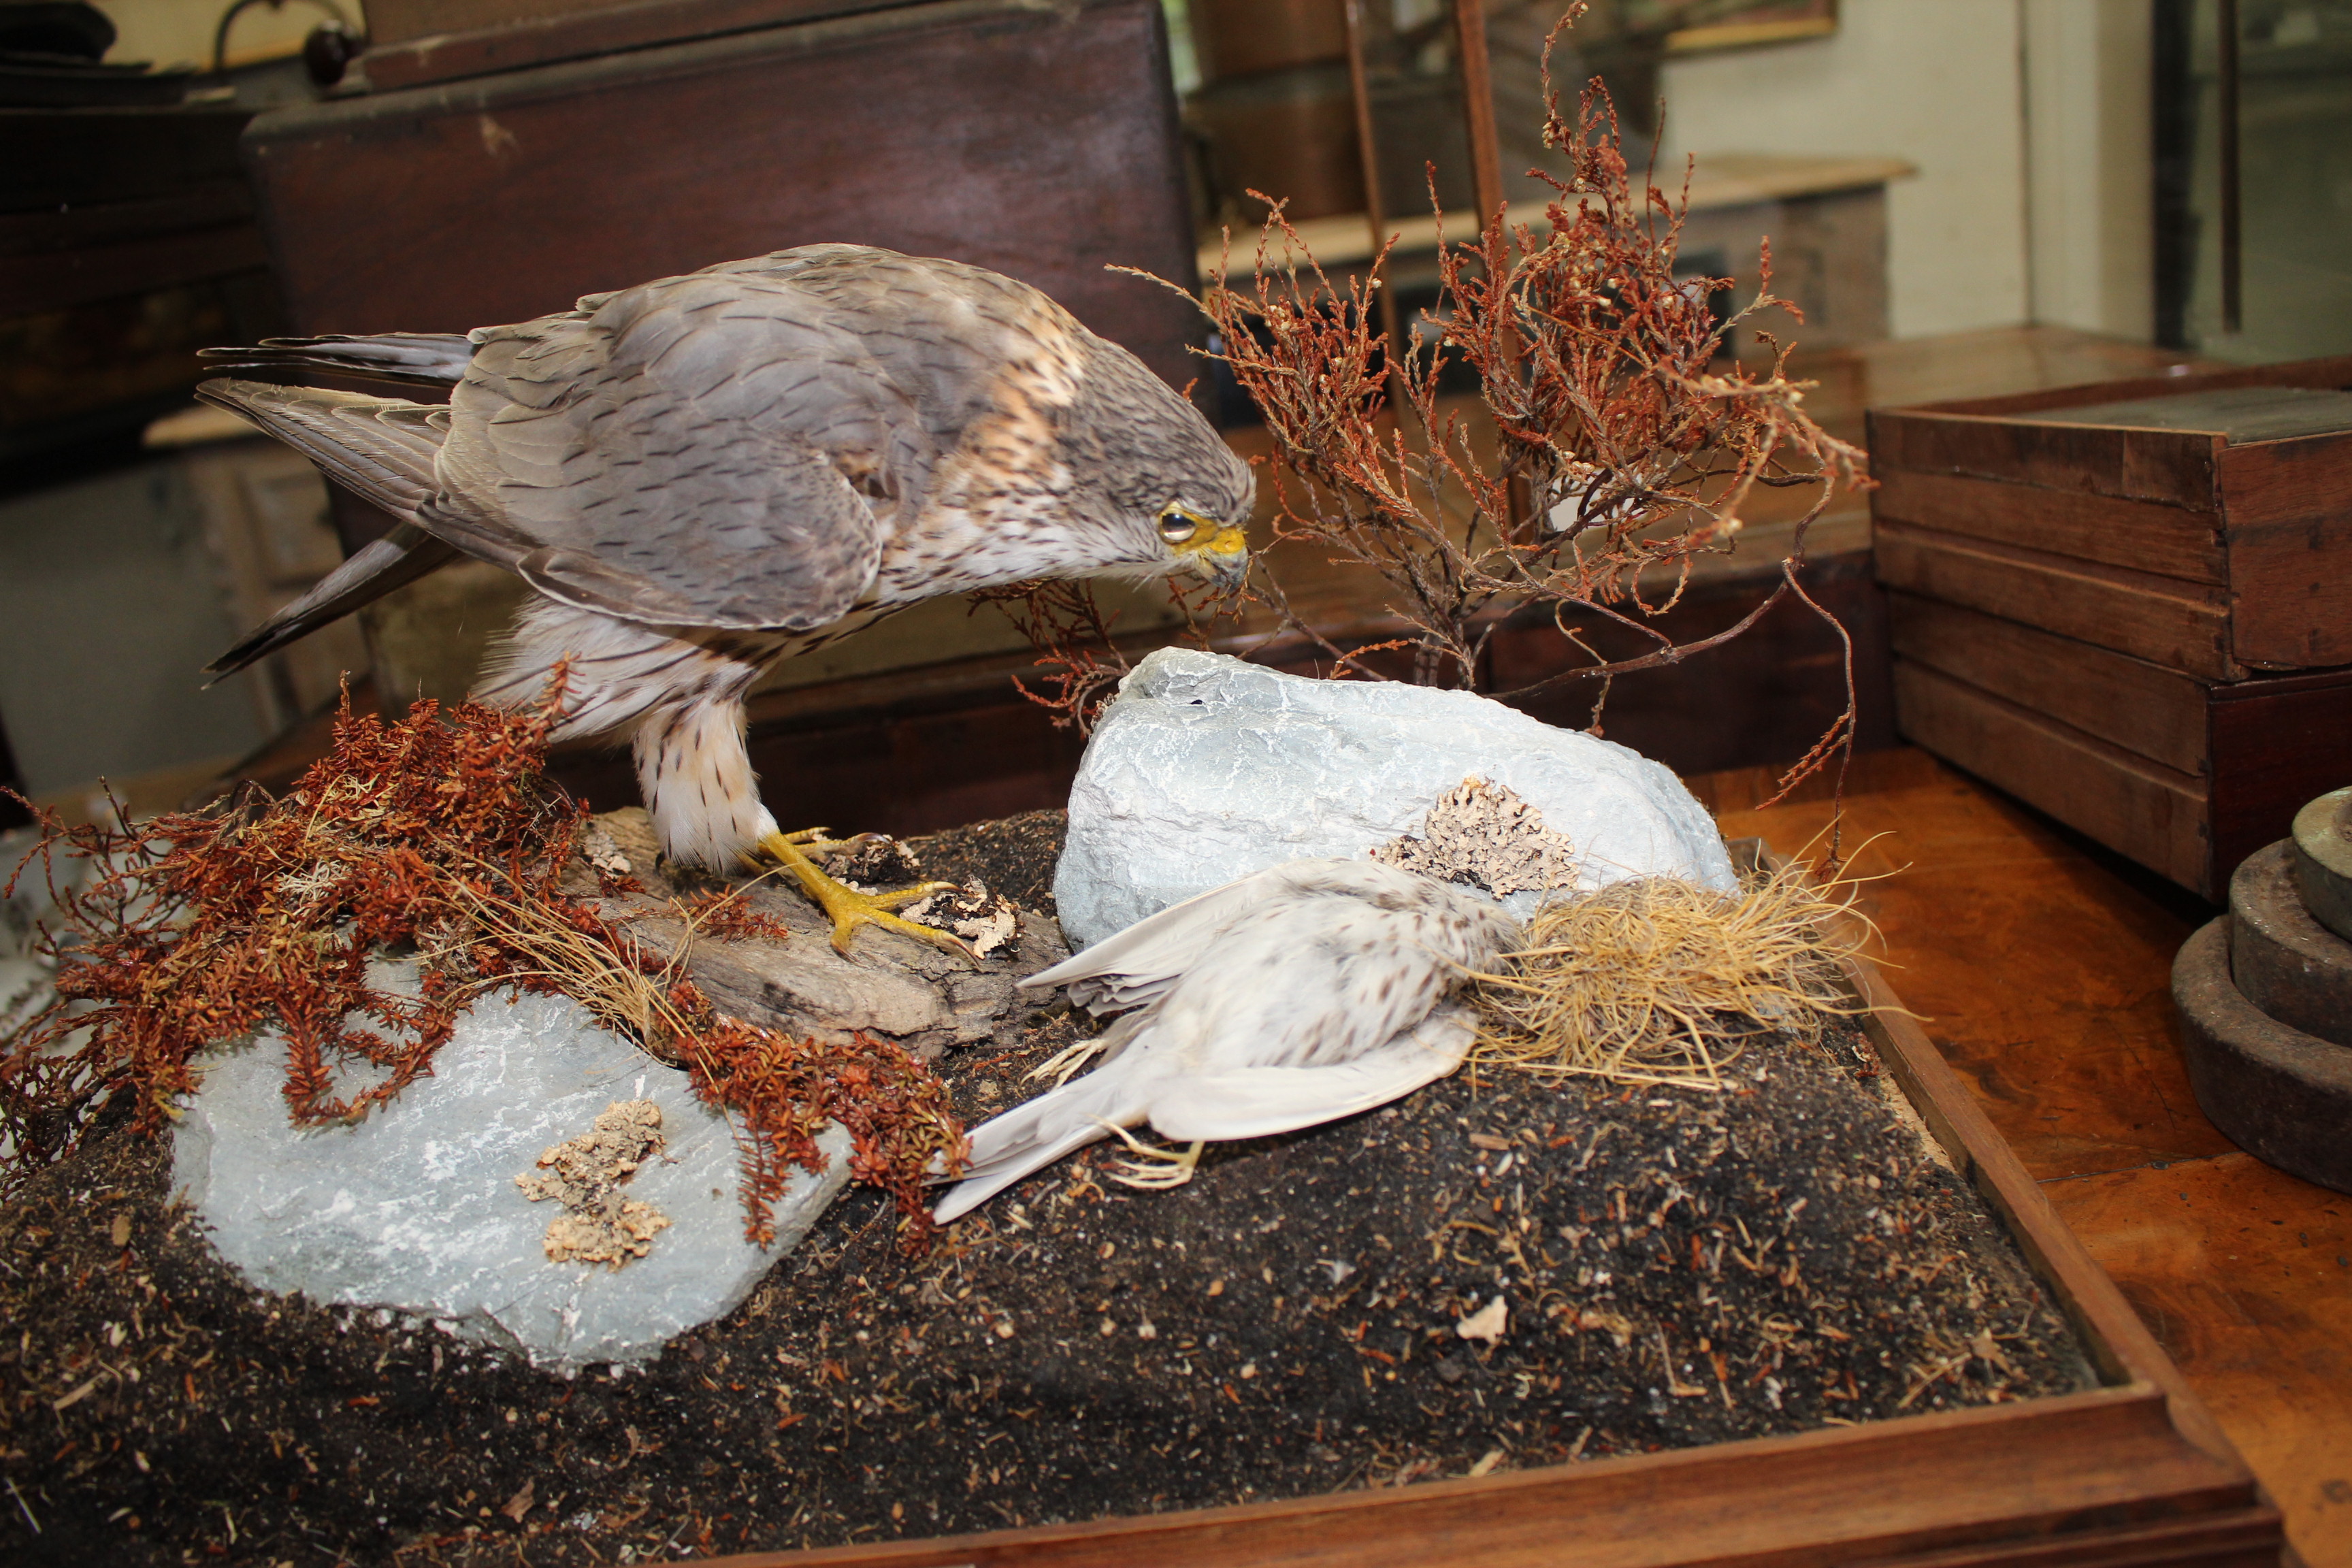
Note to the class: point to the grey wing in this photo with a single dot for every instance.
(1260, 1101)
(1140, 964)
(681, 455)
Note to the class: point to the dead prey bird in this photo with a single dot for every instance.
(1293, 998)
(703, 475)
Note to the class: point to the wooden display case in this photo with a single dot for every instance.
(2133, 1472)
(2130, 604)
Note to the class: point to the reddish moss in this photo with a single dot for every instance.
(437, 835)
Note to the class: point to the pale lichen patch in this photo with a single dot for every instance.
(584, 1174)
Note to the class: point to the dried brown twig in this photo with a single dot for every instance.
(1079, 660)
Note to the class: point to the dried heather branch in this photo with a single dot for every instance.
(436, 834)
(1079, 661)
(1614, 452)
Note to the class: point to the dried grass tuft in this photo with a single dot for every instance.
(1657, 980)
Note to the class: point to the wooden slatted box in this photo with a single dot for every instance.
(2130, 605)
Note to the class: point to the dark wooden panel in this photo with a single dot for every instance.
(2145, 536)
(2289, 505)
(50, 157)
(2162, 619)
(2278, 743)
(2152, 814)
(2144, 707)
(2171, 467)
(392, 21)
(412, 42)
(53, 280)
(2333, 372)
(1039, 141)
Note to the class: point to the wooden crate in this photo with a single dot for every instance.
(2122, 603)
(2185, 776)
(413, 42)
(2217, 551)
(2131, 1474)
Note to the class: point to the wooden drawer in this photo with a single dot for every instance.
(2187, 776)
(2202, 522)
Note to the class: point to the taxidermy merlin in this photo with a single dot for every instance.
(704, 475)
(1287, 999)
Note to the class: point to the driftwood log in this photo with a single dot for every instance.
(888, 986)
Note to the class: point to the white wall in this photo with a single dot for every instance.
(109, 606)
(2090, 169)
(167, 32)
(1936, 82)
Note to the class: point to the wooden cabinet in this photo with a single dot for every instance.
(1040, 141)
(2131, 604)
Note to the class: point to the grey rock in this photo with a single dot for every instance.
(416, 1207)
(1206, 768)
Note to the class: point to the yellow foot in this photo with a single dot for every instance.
(1062, 1064)
(1153, 1168)
(846, 906)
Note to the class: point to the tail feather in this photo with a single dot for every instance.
(381, 448)
(1031, 1136)
(413, 359)
(398, 558)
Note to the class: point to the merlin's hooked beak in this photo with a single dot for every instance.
(1217, 550)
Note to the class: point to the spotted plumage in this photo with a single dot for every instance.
(706, 474)
(1301, 995)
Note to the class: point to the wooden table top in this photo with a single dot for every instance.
(2042, 966)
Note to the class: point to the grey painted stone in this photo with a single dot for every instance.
(416, 1207)
(1206, 768)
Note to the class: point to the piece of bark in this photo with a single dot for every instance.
(889, 985)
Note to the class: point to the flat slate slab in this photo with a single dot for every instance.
(416, 1207)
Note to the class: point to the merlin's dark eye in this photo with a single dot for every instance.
(1178, 526)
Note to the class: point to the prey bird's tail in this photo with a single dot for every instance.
(412, 359)
(380, 448)
(1033, 1135)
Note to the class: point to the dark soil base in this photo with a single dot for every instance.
(1679, 1268)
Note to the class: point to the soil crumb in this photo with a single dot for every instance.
(1315, 1312)
(584, 1174)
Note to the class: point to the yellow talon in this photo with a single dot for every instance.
(846, 906)
(1153, 1169)
(1062, 1064)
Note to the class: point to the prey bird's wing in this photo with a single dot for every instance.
(1260, 1101)
(1140, 964)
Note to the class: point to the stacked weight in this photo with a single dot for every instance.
(2265, 1001)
